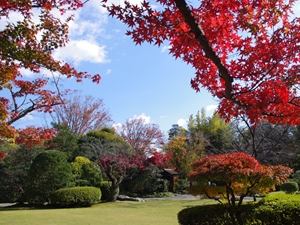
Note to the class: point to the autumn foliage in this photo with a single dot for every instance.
(29, 44)
(34, 136)
(145, 138)
(234, 174)
(246, 53)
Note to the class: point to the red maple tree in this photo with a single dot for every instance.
(237, 174)
(29, 45)
(246, 53)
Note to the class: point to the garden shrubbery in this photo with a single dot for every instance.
(278, 209)
(274, 209)
(145, 182)
(48, 172)
(76, 196)
(211, 215)
(289, 187)
(104, 190)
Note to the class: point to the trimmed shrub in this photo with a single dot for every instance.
(289, 187)
(278, 209)
(212, 215)
(104, 190)
(48, 172)
(76, 196)
(86, 173)
(274, 209)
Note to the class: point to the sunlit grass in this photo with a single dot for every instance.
(119, 213)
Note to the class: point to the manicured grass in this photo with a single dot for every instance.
(119, 213)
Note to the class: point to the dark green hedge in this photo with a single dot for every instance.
(274, 209)
(289, 187)
(105, 185)
(210, 215)
(76, 196)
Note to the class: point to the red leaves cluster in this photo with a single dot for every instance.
(159, 159)
(244, 52)
(240, 174)
(2, 155)
(32, 136)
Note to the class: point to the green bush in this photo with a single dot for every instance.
(104, 190)
(289, 187)
(48, 172)
(76, 196)
(181, 185)
(86, 173)
(295, 177)
(212, 215)
(105, 185)
(145, 182)
(274, 209)
(278, 209)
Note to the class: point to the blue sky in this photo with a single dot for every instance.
(136, 80)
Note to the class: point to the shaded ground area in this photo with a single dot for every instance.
(182, 197)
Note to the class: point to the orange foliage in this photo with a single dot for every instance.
(238, 173)
(32, 136)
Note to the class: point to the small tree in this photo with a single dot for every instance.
(86, 173)
(238, 174)
(113, 154)
(65, 140)
(48, 172)
(14, 170)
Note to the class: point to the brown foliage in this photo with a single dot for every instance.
(82, 114)
(144, 138)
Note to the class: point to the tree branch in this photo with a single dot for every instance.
(210, 53)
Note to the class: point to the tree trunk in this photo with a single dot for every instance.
(113, 193)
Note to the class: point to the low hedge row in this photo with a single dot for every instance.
(76, 196)
(289, 187)
(274, 209)
(278, 209)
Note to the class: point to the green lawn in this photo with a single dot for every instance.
(120, 213)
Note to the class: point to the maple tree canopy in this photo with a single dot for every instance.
(239, 173)
(245, 52)
(29, 44)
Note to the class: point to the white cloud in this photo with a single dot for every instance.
(28, 117)
(117, 126)
(165, 48)
(181, 122)
(81, 50)
(211, 107)
(108, 71)
(142, 116)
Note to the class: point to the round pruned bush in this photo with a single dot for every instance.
(212, 215)
(274, 209)
(76, 196)
(278, 209)
(49, 171)
(289, 187)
